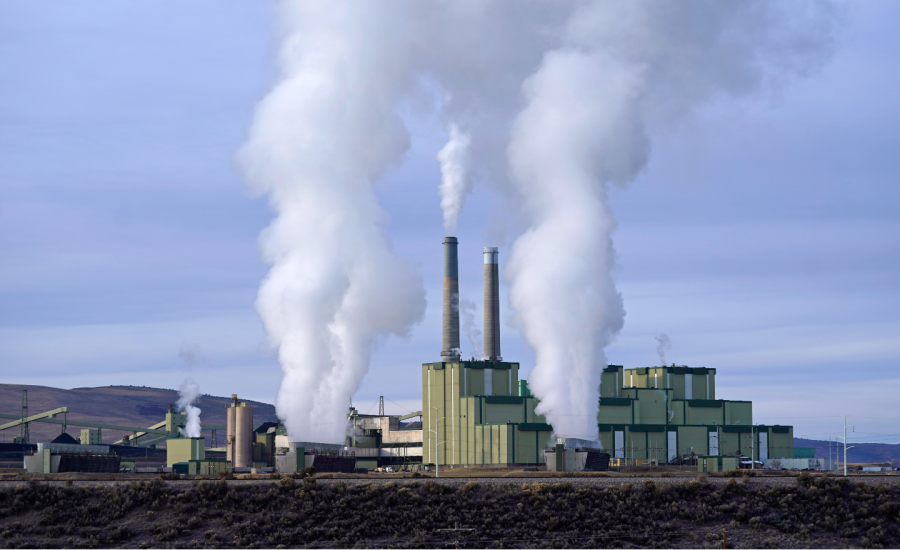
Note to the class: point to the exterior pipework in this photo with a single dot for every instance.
(450, 351)
(492, 304)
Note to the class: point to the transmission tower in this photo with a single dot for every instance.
(23, 434)
(380, 405)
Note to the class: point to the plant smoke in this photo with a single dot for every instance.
(318, 142)
(622, 69)
(559, 102)
(188, 393)
(456, 182)
(663, 343)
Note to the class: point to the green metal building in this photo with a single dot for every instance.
(479, 412)
(473, 413)
(670, 414)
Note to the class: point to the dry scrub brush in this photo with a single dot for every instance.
(292, 512)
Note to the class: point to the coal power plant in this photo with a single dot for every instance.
(481, 413)
(474, 413)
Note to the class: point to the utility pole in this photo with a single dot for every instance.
(752, 441)
(845, 444)
(23, 431)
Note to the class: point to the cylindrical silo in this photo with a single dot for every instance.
(450, 351)
(243, 433)
(229, 428)
(239, 430)
(492, 304)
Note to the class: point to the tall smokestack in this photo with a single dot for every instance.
(450, 350)
(492, 304)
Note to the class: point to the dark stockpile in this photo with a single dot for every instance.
(817, 512)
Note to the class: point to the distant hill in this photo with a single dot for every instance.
(121, 405)
(860, 453)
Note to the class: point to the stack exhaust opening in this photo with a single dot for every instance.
(492, 304)
(450, 351)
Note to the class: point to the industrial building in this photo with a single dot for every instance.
(68, 457)
(324, 457)
(382, 441)
(671, 415)
(475, 412)
(479, 412)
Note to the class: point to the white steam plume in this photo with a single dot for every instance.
(188, 393)
(317, 143)
(559, 101)
(623, 68)
(470, 327)
(663, 342)
(456, 182)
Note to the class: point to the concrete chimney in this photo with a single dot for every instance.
(492, 304)
(450, 351)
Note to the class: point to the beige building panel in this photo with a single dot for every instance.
(506, 446)
(656, 378)
(185, 450)
(472, 452)
(478, 449)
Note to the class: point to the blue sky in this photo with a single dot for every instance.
(764, 238)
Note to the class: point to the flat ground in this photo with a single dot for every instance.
(455, 477)
(585, 512)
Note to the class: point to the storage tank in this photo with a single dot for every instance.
(239, 430)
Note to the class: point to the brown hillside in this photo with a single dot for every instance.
(121, 405)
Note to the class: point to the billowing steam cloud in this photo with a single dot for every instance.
(663, 343)
(559, 101)
(317, 143)
(188, 393)
(456, 182)
(622, 69)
